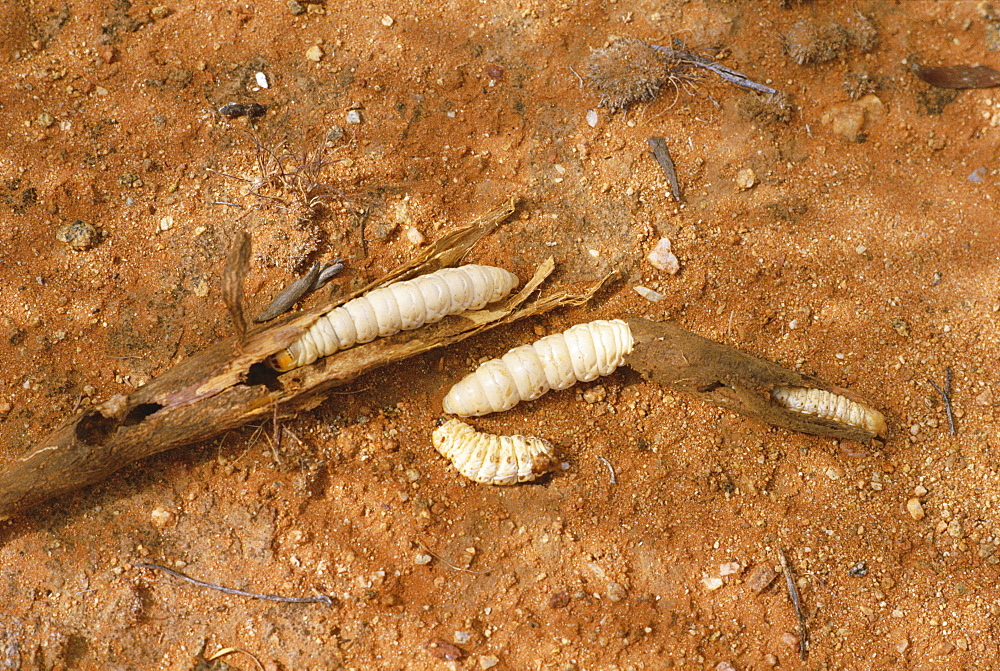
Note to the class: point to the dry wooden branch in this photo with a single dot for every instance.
(227, 385)
(724, 376)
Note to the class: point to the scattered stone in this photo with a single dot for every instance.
(835, 472)
(595, 394)
(415, 237)
(354, 116)
(745, 179)
(616, 592)
(592, 118)
(261, 80)
(859, 570)
(761, 577)
(5, 407)
(162, 517)
(422, 559)
(442, 649)
(649, 294)
(789, 640)
(296, 7)
(730, 568)
(955, 529)
(335, 134)
(559, 599)
(462, 637)
(852, 120)
(79, 235)
(387, 21)
(712, 583)
(725, 666)
(314, 53)
(916, 510)
(166, 223)
(488, 662)
(662, 258)
(160, 12)
(45, 120)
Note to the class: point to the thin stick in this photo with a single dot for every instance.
(611, 469)
(730, 75)
(319, 598)
(662, 156)
(946, 395)
(449, 564)
(793, 594)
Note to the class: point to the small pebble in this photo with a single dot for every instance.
(745, 179)
(559, 599)
(761, 577)
(422, 559)
(616, 592)
(45, 120)
(725, 666)
(444, 650)
(387, 20)
(261, 80)
(592, 118)
(488, 662)
(354, 116)
(835, 472)
(296, 8)
(730, 568)
(314, 53)
(915, 509)
(712, 583)
(462, 637)
(415, 237)
(790, 640)
(649, 294)
(662, 258)
(595, 394)
(955, 529)
(79, 235)
(859, 570)
(166, 223)
(159, 12)
(161, 517)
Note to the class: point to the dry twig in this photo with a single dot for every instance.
(319, 598)
(793, 594)
(662, 156)
(611, 469)
(946, 395)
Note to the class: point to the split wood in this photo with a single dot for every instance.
(227, 385)
(726, 377)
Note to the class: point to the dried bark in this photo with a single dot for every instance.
(227, 385)
(726, 377)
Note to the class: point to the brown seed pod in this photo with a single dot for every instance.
(828, 405)
(490, 459)
(397, 307)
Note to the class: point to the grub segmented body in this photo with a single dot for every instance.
(580, 354)
(491, 459)
(397, 307)
(828, 405)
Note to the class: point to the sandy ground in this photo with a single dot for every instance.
(852, 239)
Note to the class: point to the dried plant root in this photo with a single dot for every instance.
(490, 459)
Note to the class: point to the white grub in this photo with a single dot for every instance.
(402, 306)
(580, 354)
(490, 459)
(662, 258)
(827, 405)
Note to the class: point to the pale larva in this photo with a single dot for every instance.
(827, 405)
(397, 307)
(580, 354)
(493, 460)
